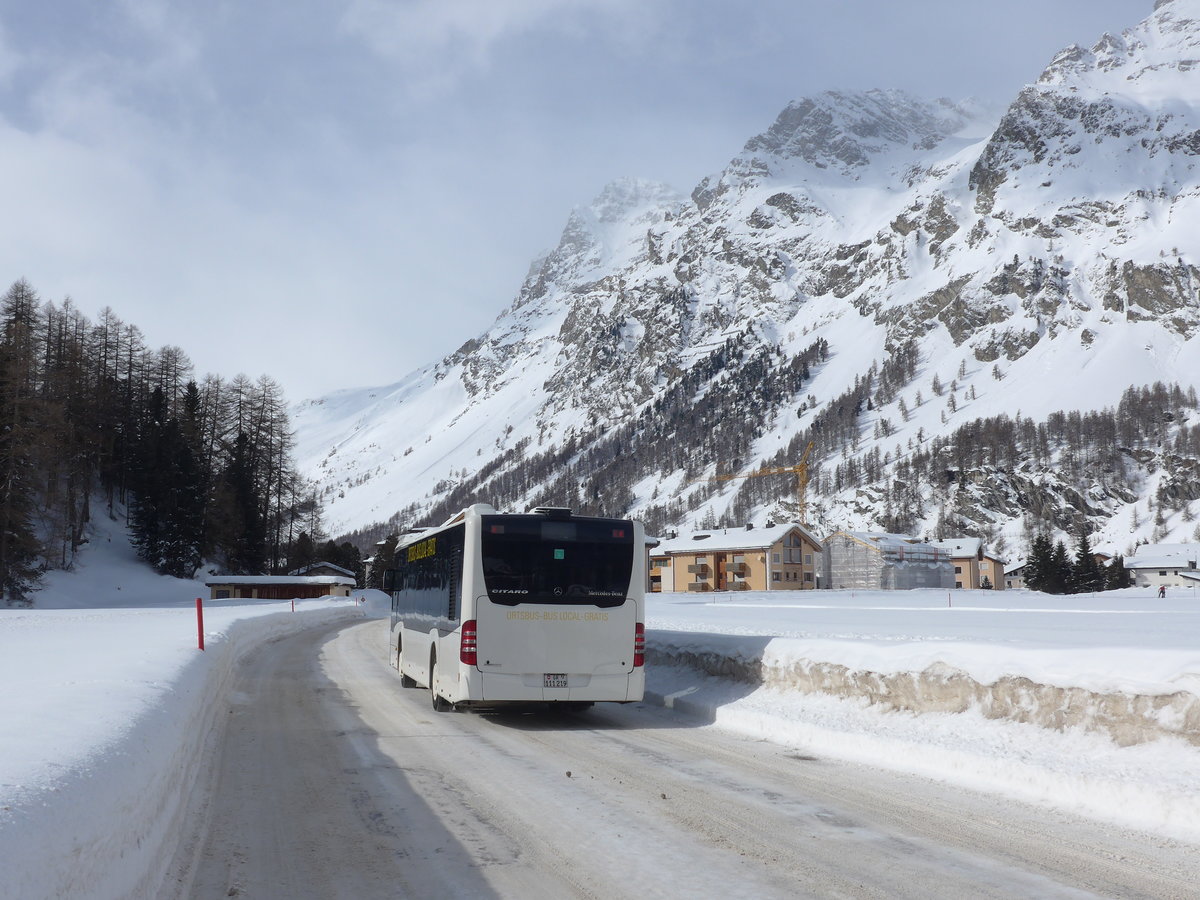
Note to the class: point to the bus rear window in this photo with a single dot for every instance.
(532, 559)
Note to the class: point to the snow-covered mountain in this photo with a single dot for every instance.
(891, 278)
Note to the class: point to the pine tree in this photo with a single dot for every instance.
(1060, 570)
(167, 494)
(1086, 575)
(385, 550)
(1117, 576)
(20, 548)
(1038, 567)
(301, 553)
(241, 537)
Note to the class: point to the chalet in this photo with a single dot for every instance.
(1170, 565)
(864, 560)
(279, 587)
(770, 558)
(974, 567)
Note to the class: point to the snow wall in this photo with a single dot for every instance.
(778, 663)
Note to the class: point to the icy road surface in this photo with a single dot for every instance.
(332, 781)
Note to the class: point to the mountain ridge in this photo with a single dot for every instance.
(988, 251)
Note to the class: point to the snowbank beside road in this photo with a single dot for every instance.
(106, 715)
(1149, 704)
(1086, 703)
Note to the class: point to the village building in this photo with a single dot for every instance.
(974, 567)
(1165, 565)
(279, 587)
(863, 560)
(1014, 575)
(771, 558)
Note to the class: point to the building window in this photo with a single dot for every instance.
(808, 576)
(958, 571)
(958, 584)
(774, 576)
(808, 559)
(774, 557)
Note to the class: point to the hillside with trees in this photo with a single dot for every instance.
(94, 422)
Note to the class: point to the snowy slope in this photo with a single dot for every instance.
(1047, 252)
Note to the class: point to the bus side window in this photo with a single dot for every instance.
(454, 579)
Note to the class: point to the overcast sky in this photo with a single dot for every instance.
(333, 192)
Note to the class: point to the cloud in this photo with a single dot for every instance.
(10, 60)
(438, 41)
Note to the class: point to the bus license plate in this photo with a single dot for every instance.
(555, 680)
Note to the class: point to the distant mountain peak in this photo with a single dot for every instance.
(623, 198)
(844, 129)
(1146, 58)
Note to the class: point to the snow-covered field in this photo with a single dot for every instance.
(107, 701)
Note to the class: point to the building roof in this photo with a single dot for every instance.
(1164, 561)
(321, 565)
(724, 539)
(959, 547)
(881, 539)
(1165, 556)
(897, 546)
(277, 579)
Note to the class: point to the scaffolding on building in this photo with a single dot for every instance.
(874, 561)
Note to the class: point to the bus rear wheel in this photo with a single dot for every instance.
(405, 680)
(440, 703)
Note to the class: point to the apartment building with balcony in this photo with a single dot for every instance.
(769, 558)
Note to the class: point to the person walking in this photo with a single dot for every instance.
(1162, 591)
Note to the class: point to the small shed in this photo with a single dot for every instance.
(278, 587)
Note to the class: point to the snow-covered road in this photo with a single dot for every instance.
(333, 781)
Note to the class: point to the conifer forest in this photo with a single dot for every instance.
(96, 423)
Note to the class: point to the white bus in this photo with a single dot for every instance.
(491, 609)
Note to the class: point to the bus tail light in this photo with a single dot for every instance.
(468, 652)
(639, 645)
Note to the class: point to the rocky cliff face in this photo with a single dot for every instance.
(1019, 263)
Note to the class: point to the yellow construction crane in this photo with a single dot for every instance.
(800, 470)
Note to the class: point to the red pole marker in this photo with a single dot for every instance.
(200, 622)
(293, 605)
